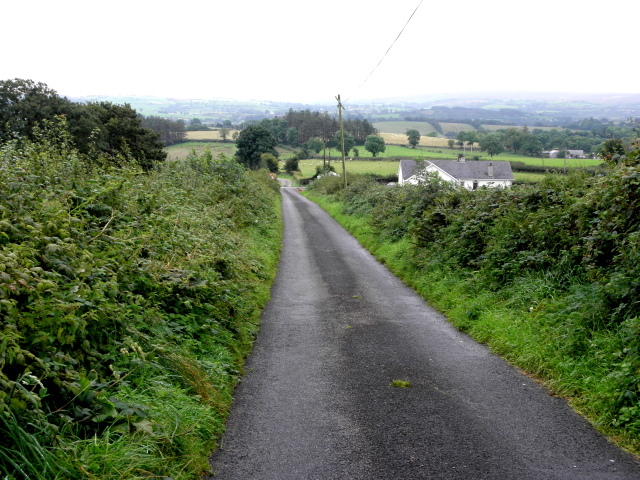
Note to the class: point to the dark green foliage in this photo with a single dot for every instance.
(413, 137)
(120, 134)
(315, 144)
(291, 165)
(270, 162)
(171, 131)
(374, 144)
(252, 142)
(24, 104)
(349, 142)
(110, 278)
(196, 125)
(95, 128)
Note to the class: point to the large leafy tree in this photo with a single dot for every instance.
(114, 130)
(252, 142)
(121, 136)
(349, 142)
(413, 136)
(315, 144)
(375, 145)
(25, 104)
(492, 144)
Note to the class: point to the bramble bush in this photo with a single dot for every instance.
(128, 301)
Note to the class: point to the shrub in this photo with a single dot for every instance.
(109, 274)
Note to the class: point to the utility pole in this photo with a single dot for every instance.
(344, 167)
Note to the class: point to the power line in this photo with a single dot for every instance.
(385, 53)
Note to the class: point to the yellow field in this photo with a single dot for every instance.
(208, 135)
(401, 139)
(456, 127)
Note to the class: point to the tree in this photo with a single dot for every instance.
(270, 162)
(171, 131)
(293, 136)
(224, 133)
(413, 136)
(451, 142)
(196, 125)
(121, 136)
(315, 144)
(291, 165)
(492, 144)
(612, 150)
(532, 145)
(375, 145)
(349, 142)
(513, 139)
(252, 142)
(24, 104)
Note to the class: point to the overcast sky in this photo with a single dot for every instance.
(308, 51)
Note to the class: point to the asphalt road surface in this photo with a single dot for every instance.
(317, 401)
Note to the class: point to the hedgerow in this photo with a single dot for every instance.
(548, 275)
(128, 301)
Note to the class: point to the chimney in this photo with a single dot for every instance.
(490, 170)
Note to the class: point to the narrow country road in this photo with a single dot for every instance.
(317, 401)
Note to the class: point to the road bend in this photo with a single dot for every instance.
(317, 400)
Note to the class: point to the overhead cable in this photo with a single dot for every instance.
(385, 54)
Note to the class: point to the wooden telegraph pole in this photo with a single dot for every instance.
(344, 167)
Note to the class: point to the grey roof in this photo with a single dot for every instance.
(468, 170)
(408, 168)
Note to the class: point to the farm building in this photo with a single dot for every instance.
(471, 175)
(568, 154)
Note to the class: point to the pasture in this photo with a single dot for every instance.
(382, 168)
(400, 129)
(181, 150)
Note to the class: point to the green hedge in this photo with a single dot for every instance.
(127, 304)
(547, 275)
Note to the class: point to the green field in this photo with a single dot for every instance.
(382, 168)
(366, 164)
(399, 151)
(181, 150)
(445, 153)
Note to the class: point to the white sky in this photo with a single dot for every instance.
(304, 51)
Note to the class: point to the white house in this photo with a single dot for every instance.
(471, 175)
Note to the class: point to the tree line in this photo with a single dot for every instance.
(298, 127)
(534, 142)
(117, 131)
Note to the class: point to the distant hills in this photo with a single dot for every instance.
(521, 108)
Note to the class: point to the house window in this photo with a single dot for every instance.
(475, 184)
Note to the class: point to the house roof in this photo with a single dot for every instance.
(408, 167)
(469, 170)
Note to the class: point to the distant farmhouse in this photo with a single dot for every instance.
(470, 175)
(567, 154)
